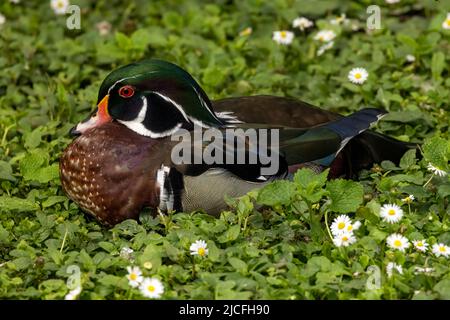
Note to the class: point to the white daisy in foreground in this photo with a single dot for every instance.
(325, 47)
(446, 23)
(302, 23)
(344, 239)
(151, 288)
(436, 171)
(358, 75)
(410, 58)
(134, 276)
(397, 241)
(440, 249)
(391, 266)
(409, 199)
(392, 1)
(391, 213)
(199, 247)
(73, 294)
(2, 19)
(283, 37)
(420, 245)
(325, 35)
(59, 6)
(340, 225)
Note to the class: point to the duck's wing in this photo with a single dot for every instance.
(272, 110)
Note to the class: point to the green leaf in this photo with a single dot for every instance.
(6, 171)
(17, 204)
(436, 151)
(443, 288)
(238, 264)
(276, 193)
(437, 64)
(307, 178)
(408, 159)
(152, 253)
(345, 195)
(231, 234)
(53, 200)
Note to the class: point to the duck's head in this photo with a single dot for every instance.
(154, 98)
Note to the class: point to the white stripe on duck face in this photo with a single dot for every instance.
(137, 124)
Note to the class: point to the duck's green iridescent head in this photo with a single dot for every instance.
(153, 98)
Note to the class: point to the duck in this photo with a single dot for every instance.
(122, 159)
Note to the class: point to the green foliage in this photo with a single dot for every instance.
(272, 243)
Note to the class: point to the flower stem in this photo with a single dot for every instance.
(326, 224)
(426, 183)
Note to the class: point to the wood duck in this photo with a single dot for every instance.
(121, 160)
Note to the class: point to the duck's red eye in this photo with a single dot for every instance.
(126, 91)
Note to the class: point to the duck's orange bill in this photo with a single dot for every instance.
(100, 117)
(102, 112)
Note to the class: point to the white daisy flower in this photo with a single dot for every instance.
(283, 37)
(59, 6)
(2, 19)
(344, 239)
(340, 224)
(302, 23)
(446, 23)
(409, 199)
(397, 241)
(353, 226)
(358, 75)
(410, 58)
(391, 266)
(199, 247)
(420, 245)
(436, 171)
(392, 1)
(418, 270)
(325, 35)
(126, 253)
(440, 249)
(391, 213)
(342, 19)
(325, 47)
(73, 294)
(134, 276)
(151, 288)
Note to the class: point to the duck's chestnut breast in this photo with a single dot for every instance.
(110, 172)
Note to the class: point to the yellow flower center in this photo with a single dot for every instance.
(447, 22)
(60, 4)
(397, 243)
(442, 249)
(201, 251)
(420, 244)
(151, 288)
(350, 228)
(321, 38)
(341, 225)
(133, 276)
(283, 34)
(358, 76)
(344, 238)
